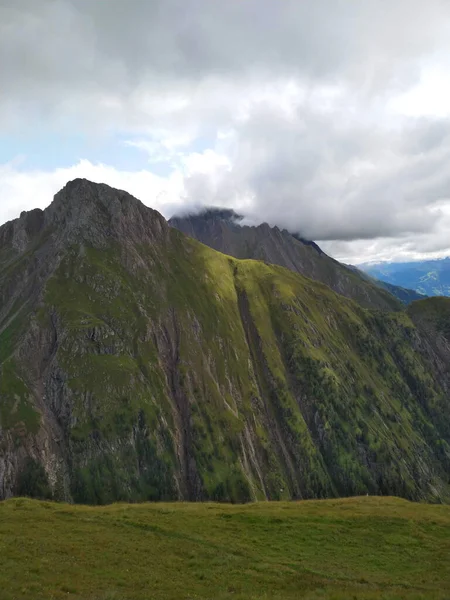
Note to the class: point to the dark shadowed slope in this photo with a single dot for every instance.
(137, 363)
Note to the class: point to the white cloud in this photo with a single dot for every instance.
(330, 117)
(429, 97)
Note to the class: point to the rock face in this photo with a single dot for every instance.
(221, 229)
(137, 364)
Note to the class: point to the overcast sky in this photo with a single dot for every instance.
(330, 118)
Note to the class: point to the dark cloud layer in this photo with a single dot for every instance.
(112, 47)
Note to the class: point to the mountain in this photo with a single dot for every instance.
(138, 364)
(406, 296)
(222, 230)
(429, 277)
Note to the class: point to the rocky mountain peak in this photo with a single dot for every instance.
(99, 213)
(16, 234)
(93, 212)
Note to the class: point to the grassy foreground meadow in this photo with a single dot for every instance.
(365, 548)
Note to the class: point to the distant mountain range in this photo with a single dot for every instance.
(429, 277)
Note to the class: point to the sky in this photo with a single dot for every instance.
(329, 118)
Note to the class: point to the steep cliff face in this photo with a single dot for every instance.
(136, 363)
(222, 230)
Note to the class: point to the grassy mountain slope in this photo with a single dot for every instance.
(221, 230)
(137, 363)
(434, 313)
(366, 548)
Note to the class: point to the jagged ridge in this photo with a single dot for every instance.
(222, 230)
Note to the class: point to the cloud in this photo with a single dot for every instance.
(330, 178)
(330, 117)
(147, 58)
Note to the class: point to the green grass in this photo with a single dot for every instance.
(433, 312)
(363, 548)
(16, 408)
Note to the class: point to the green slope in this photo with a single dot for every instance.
(433, 313)
(143, 365)
(365, 549)
(220, 229)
